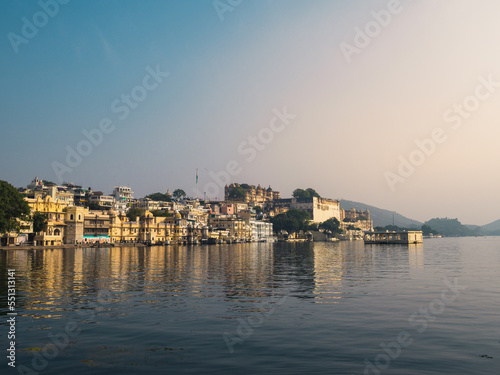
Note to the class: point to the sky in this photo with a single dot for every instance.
(389, 103)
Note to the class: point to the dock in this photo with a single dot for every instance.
(406, 237)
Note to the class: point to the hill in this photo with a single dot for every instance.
(452, 227)
(492, 228)
(381, 217)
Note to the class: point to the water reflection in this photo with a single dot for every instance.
(53, 281)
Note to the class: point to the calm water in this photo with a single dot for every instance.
(315, 308)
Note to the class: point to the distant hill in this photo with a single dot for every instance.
(381, 217)
(453, 227)
(492, 228)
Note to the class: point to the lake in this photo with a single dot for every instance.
(277, 308)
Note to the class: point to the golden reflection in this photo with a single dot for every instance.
(416, 255)
(54, 280)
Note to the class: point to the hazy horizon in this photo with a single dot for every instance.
(163, 88)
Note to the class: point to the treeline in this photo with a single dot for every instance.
(439, 226)
(294, 221)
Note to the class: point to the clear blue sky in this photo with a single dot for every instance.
(353, 120)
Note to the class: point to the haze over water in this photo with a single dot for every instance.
(316, 308)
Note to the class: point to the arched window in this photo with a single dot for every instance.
(71, 217)
(79, 217)
(57, 232)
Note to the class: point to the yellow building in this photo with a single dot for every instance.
(147, 228)
(56, 211)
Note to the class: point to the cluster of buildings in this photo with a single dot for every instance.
(77, 215)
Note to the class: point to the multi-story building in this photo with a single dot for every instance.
(75, 219)
(238, 229)
(262, 231)
(320, 209)
(55, 211)
(96, 227)
(123, 193)
(147, 228)
(147, 204)
(104, 201)
(253, 195)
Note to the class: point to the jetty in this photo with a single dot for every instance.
(404, 237)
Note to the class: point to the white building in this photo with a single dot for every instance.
(123, 193)
(320, 209)
(106, 201)
(261, 231)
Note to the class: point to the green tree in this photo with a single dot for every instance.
(427, 230)
(258, 209)
(39, 222)
(160, 197)
(307, 193)
(291, 221)
(95, 206)
(161, 213)
(313, 193)
(237, 193)
(246, 186)
(301, 193)
(333, 225)
(12, 207)
(179, 194)
(48, 183)
(133, 213)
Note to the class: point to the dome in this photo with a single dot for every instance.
(178, 215)
(112, 212)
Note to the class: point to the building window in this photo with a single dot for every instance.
(71, 217)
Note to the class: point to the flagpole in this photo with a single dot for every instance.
(196, 183)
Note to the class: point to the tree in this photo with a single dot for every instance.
(160, 197)
(48, 183)
(179, 194)
(12, 207)
(246, 186)
(39, 222)
(291, 221)
(333, 225)
(94, 206)
(313, 193)
(258, 209)
(427, 230)
(133, 213)
(303, 194)
(161, 213)
(237, 193)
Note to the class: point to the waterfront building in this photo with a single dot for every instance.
(56, 212)
(261, 230)
(74, 219)
(96, 227)
(238, 228)
(404, 237)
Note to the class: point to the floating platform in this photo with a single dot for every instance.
(410, 237)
